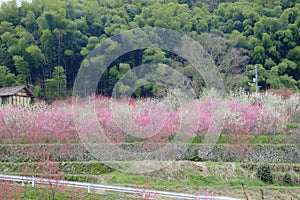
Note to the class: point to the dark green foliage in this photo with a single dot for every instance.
(264, 173)
(287, 179)
(194, 156)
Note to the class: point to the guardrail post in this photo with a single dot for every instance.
(32, 183)
(89, 188)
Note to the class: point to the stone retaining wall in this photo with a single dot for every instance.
(78, 152)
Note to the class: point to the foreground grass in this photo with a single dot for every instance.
(42, 192)
(251, 193)
(270, 193)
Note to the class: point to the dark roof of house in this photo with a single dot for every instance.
(7, 91)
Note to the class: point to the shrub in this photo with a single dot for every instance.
(194, 156)
(264, 173)
(287, 179)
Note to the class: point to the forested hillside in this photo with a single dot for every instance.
(43, 43)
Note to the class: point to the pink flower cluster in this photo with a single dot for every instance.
(242, 118)
(131, 120)
(35, 125)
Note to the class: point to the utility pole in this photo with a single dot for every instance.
(255, 80)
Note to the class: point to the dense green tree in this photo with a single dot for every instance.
(22, 67)
(56, 86)
(258, 54)
(29, 22)
(6, 77)
(36, 54)
(36, 37)
(294, 54)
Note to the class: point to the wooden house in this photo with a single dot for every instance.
(17, 95)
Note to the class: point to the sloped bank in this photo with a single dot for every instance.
(219, 153)
(184, 176)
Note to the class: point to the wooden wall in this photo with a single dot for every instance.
(21, 98)
(18, 100)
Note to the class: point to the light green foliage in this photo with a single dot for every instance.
(154, 55)
(56, 86)
(22, 68)
(36, 54)
(6, 77)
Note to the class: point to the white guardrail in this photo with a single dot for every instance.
(89, 186)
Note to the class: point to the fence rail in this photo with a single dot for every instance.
(89, 186)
